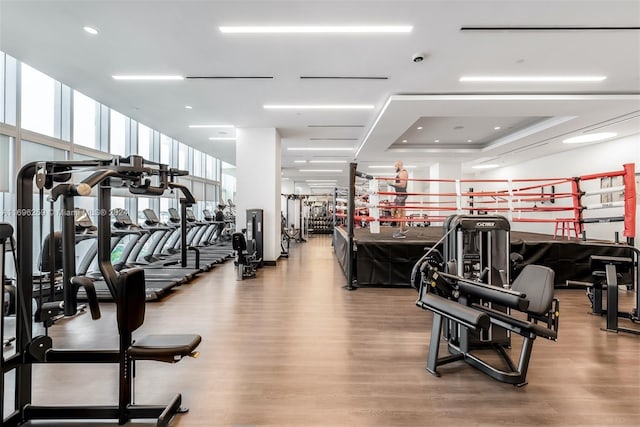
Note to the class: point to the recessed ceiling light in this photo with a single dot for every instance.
(487, 166)
(147, 77)
(419, 128)
(320, 180)
(188, 107)
(497, 128)
(299, 161)
(221, 138)
(210, 126)
(321, 170)
(318, 107)
(469, 140)
(317, 29)
(437, 140)
(532, 79)
(404, 140)
(327, 161)
(319, 149)
(90, 30)
(593, 137)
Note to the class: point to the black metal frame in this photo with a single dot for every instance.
(607, 266)
(460, 347)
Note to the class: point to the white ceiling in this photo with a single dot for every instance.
(182, 37)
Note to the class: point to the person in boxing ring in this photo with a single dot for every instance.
(400, 187)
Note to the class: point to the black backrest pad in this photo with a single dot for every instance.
(6, 231)
(238, 241)
(130, 300)
(537, 282)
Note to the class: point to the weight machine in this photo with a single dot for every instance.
(127, 289)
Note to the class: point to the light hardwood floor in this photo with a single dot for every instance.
(292, 348)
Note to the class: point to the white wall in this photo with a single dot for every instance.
(258, 183)
(584, 159)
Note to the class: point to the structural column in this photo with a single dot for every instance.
(444, 170)
(258, 183)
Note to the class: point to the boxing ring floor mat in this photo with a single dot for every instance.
(382, 260)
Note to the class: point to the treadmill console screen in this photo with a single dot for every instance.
(151, 216)
(190, 215)
(173, 214)
(121, 216)
(82, 218)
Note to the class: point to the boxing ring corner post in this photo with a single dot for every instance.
(629, 180)
(351, 282)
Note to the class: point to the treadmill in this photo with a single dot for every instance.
(168, 249)
(124, 224)
(155, 286)
(219, 253)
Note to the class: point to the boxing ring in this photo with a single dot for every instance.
(558, 212)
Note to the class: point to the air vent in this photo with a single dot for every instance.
(336, 126)
(333, 139)
(343, 78)
(229, 77)
(546, 28)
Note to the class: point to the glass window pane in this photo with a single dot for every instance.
(145, 142)
(38, 101)
(183, 156)
(5, 158)
(197, 188)
(143, 203)
(85, 120)
(165, 204)
(117, 134)
(210, 171)
(2, 99)
(10, 89)
(197, 163)
(165, 149)
(32, 152)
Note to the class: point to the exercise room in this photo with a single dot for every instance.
(319, 213)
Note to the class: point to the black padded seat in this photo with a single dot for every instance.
(165, 348)
(537, 282)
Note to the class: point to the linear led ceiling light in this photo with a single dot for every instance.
(210, 126)
(327, 161)
(146, 77)
(320, 180)
(299, 161)
(221, 138)
(320, 149)
(318, 107)
(487, 166)
(532, 79)
(592, 137)
(321, 170)
(317, 29)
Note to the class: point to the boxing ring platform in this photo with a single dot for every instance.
(381, 260)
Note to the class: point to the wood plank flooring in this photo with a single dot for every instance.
(292, 348)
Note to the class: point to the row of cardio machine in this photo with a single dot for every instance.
(155, 247)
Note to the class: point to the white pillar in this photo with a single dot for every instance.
(444, 170)
(258, 183)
